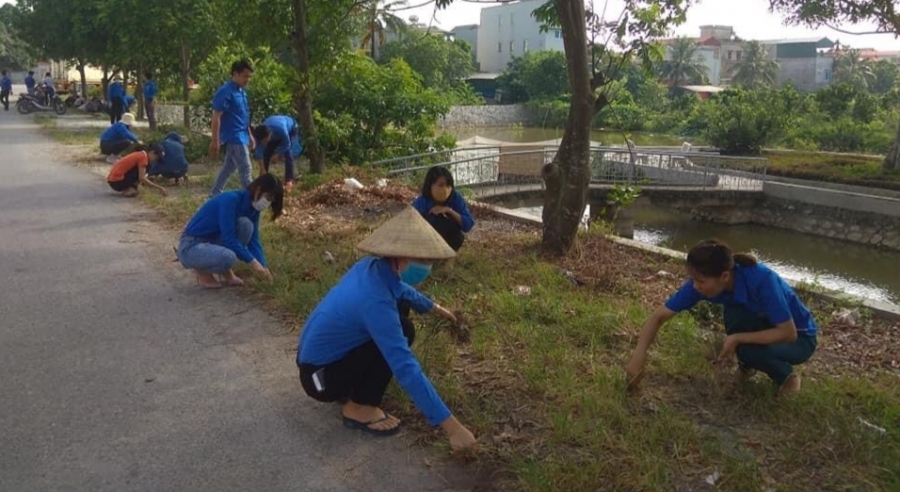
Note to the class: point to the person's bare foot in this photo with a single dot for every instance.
(207, 280)
(231, 279)
(790, 386)
(130, 192)
(367, 413)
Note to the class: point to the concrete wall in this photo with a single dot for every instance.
(863, 190)
(489, 115)
(511, 25)
(170, 114)
(806, 74)
(851, 201)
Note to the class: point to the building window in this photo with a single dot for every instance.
(730, 55)
(524, 45)
(499, 47)
(557, 33)
(738, 55)
(827, 75)
(512, 46)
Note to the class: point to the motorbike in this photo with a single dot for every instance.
(32, 103)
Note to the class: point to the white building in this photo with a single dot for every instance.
(509, 30)
(469, 34)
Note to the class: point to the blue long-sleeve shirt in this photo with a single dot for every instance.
(150, 90)
(6, 83)
(116, 91)
(29, 84)
(456, 201)
(216, 221)
(363, 307)
(284, 138)
(118, 131)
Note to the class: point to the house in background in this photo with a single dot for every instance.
(708, 51)
(804, 63)
(730, 47)
(469, 34)
(509, 30)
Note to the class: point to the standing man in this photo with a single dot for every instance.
(231, 127)
(150, 92)
(116, 96)
(49, 88)
(30, 83)
(5, 89)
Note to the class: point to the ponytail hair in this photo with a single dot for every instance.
(712, 258)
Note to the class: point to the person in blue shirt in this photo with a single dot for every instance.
(231, 127)
(226, 229)
(443, 207)
(116, 96)
(49, 87)
(767, 326)
(30, 83)
(278, 138)
(5, 89)
(150, 92)
(174, 164)
(358, 337)
(117, 138)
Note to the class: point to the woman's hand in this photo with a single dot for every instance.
(634, 372)
(461, 439)
(440, 210)
(261, 271)
(445, 313)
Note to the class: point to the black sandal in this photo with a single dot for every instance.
(364, 426)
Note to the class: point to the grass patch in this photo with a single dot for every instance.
(852, 170)
(541, 382)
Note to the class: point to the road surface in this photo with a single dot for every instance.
(117, 374)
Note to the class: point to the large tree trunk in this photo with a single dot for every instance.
(892, 159)
(302, 96)
(139, 92)
(83, 80)
(567, 178)
(185, 65)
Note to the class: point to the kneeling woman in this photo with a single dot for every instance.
(130, 171)
(767, 326)
(359, 335)
(226, 229)
(444, 208)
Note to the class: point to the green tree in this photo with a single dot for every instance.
(380, 17)
(849, 67)
(442, 64)
(836, 99)
(885, 76)
(684, 64)
(815, 13)
(533, 76)
(755, 69)
(741, 121)
(15, 54)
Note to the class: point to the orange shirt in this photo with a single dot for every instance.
(125, 164)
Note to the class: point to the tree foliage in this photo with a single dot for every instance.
(535, 75)
(755, 69)
(742, 122)
(851, 68)
(440, 63)
(684, 65)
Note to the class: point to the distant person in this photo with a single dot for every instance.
(5, 89)
(117, 138)
(444, 207)
(359, 336)
(278, 138)
(30, 83)
(116, 95)
(173, 165)
(49, 87)
(129, 172)
(767, 326)
(150, 92)
(231, 127)
(226, 229)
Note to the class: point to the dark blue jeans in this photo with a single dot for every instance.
(776, 360)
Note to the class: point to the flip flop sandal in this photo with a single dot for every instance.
(364, 426)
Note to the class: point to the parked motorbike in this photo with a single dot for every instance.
(30, 104)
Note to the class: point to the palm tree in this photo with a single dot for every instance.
(379, 17)
(851, 68)
(755, 69)
(685, 64)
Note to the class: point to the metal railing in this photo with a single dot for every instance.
(503, 170)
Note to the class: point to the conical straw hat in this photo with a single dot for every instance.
(407, 235)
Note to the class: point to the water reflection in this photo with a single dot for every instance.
(855, 269)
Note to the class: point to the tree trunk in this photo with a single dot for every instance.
(139, 91)
(567, 178)
(83, 80)
(185, 66)
(892, 159)
(302, 96)
(104, 84)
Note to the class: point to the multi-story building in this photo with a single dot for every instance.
(803, 63)
(509, 30)
(469, 34)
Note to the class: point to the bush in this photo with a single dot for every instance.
(742, 122)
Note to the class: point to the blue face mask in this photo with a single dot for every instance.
(415, 273)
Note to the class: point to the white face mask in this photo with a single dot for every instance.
(261, 204)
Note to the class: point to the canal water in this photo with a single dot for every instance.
(852, 268)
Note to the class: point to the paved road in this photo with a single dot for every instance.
(117, 374)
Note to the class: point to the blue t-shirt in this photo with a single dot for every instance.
(363, 307)
(232, 101)
(117, 131)
(216, 221)
(284, 137)
(757, 288)
(456, 201)
(6, 84)
(29, 83)
(116, 92)
(174, 161)
(150, 90)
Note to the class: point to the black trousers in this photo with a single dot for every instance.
(4, 98)
(117, 109)
(132, 179)
(362, 376)
(114, 147)
(449, 229)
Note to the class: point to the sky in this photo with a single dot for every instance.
(751, 19)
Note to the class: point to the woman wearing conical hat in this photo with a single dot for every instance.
(358, 337)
